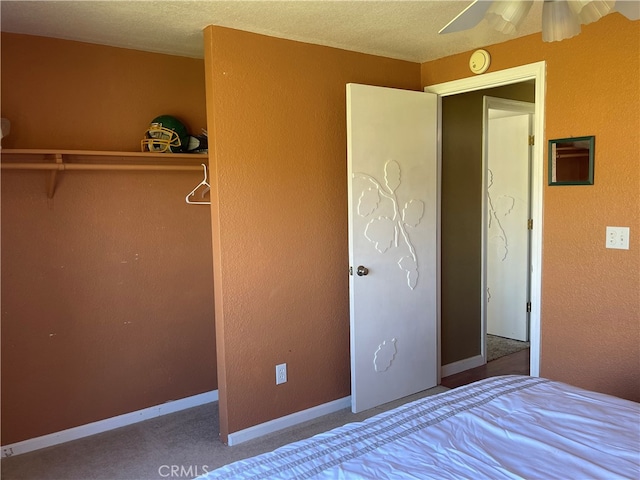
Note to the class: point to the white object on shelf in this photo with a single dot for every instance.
(5, 127)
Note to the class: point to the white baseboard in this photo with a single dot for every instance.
(461, 365)
(288, 421)
(108, 424)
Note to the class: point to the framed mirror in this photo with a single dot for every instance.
(571, 161)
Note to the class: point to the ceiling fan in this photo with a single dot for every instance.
(560, 18)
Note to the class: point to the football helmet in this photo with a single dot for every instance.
(165, 134)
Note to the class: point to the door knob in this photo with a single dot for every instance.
(362, 271)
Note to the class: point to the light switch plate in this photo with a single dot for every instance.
(618, 237)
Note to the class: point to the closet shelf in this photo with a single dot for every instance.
(60, 160)
(41, 159)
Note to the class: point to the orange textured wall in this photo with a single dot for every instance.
(59, 94)
(278, 111)
(590, 314)
(107, 303)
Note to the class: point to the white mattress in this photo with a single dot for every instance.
(500, 428)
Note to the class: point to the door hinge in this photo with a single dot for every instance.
(530, 224)
(532, 139)
(528, 307)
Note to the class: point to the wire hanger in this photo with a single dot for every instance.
(204, 184)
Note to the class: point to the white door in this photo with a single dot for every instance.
(508, 210)
(392, 181)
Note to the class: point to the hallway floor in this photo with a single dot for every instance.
(514, 364)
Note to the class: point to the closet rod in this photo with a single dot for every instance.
(96, 166)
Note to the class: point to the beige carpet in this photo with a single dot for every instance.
(500, 347)
(185, 443)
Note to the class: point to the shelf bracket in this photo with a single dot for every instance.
(53, 175)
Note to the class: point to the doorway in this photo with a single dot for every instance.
(507, 147)
(462, 344)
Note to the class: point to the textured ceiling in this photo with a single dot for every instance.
(406, 30)
(398, 29)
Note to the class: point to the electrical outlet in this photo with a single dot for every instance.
(281, 373)
(618, 237)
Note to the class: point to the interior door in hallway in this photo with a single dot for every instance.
(508, 163)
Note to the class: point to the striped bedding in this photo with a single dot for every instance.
(509, 427)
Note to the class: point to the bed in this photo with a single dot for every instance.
(503, 427)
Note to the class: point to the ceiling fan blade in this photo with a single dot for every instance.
(468, 18)
(631, 10)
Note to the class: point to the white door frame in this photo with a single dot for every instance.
(534, 71)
